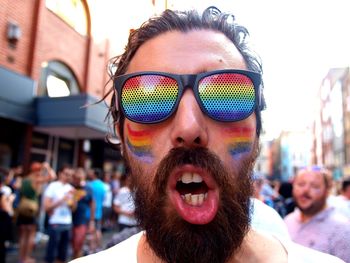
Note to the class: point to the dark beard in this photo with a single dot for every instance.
(174, 239)
(315, 207)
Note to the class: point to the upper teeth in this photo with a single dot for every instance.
(187, 178)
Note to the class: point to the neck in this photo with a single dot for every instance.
(268, 250)
(305, 217)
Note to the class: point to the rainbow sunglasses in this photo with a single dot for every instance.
(224, 95)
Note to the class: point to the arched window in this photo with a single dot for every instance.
(57, 80)
(72, 12)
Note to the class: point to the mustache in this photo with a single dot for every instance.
(305, 196)
(199, 156)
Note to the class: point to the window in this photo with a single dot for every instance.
(57, 80)
(72, 12)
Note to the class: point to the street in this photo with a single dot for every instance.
(40, 248)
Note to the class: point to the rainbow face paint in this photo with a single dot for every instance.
(139, 143)
(239, 140)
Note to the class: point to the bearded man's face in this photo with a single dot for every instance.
(191, 174)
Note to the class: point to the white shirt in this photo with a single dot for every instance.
(125, 201)
(107, 201)
(61, 214)
(6, 190)
(126, 251)
(340, 203)
(266, 219)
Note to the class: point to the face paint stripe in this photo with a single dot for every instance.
(239, 150)
(241, 134)
(139, 143)
(143, 153)
(135, 133)
(238, 140)
(138, 150)
(238, 129)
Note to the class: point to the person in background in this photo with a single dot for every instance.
(83, 200)
(4, 188)
(58, 204)
(341, 202)
(107, 213)
(284, 202)
(314, 224)
(98, 192)
(5, 224)
(186, 105)
(123, 205)
(115, 180)
(14, 181)
(258, 183)
(28, 208)
(345, 189)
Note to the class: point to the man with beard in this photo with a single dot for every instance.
(314, 224)
(186, 106)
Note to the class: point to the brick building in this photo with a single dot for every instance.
(50, 66)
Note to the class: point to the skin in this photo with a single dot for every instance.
(191, 53)
(310, 194)
(188, 123)
(65, 178)
(239, 140)
(139, 143)
(346, 193)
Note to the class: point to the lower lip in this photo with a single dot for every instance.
(199, 215)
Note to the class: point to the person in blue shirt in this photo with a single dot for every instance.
(98, 192)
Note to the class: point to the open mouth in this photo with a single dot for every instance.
(194, 194)
(192, 189)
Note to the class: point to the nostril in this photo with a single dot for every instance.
(197, 140)
(179, 140)
(182, 141)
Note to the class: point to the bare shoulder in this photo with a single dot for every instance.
(260, 247)
(126, 250)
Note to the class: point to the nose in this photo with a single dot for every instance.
(189, 124)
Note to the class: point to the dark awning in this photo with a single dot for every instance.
(16, 96)
(75, 117)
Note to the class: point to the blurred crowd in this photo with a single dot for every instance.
(67, 210)
(71, 208)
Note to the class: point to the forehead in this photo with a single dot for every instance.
(309, 176)
(187, 52)
(67, 171)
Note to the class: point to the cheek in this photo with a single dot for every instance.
(239, 140)
(139, 142)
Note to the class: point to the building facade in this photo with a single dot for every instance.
(52, 73)
(332, 125)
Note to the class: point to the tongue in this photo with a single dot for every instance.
(198, 215)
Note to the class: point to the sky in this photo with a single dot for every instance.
(298, 41)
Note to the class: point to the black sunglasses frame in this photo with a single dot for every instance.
(191, 81)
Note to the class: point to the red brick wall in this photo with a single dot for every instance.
(20, 12)
(56, 40)
(52, 39)
(98, 60)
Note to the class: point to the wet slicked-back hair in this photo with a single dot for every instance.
(212, 18)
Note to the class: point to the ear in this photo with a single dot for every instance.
(119, 134)
(118, 131)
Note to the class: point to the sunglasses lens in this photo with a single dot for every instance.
(149, 98)
(227, 96)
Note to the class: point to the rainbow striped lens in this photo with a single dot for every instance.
(224, 95)
(227, 96)
(149, 98)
